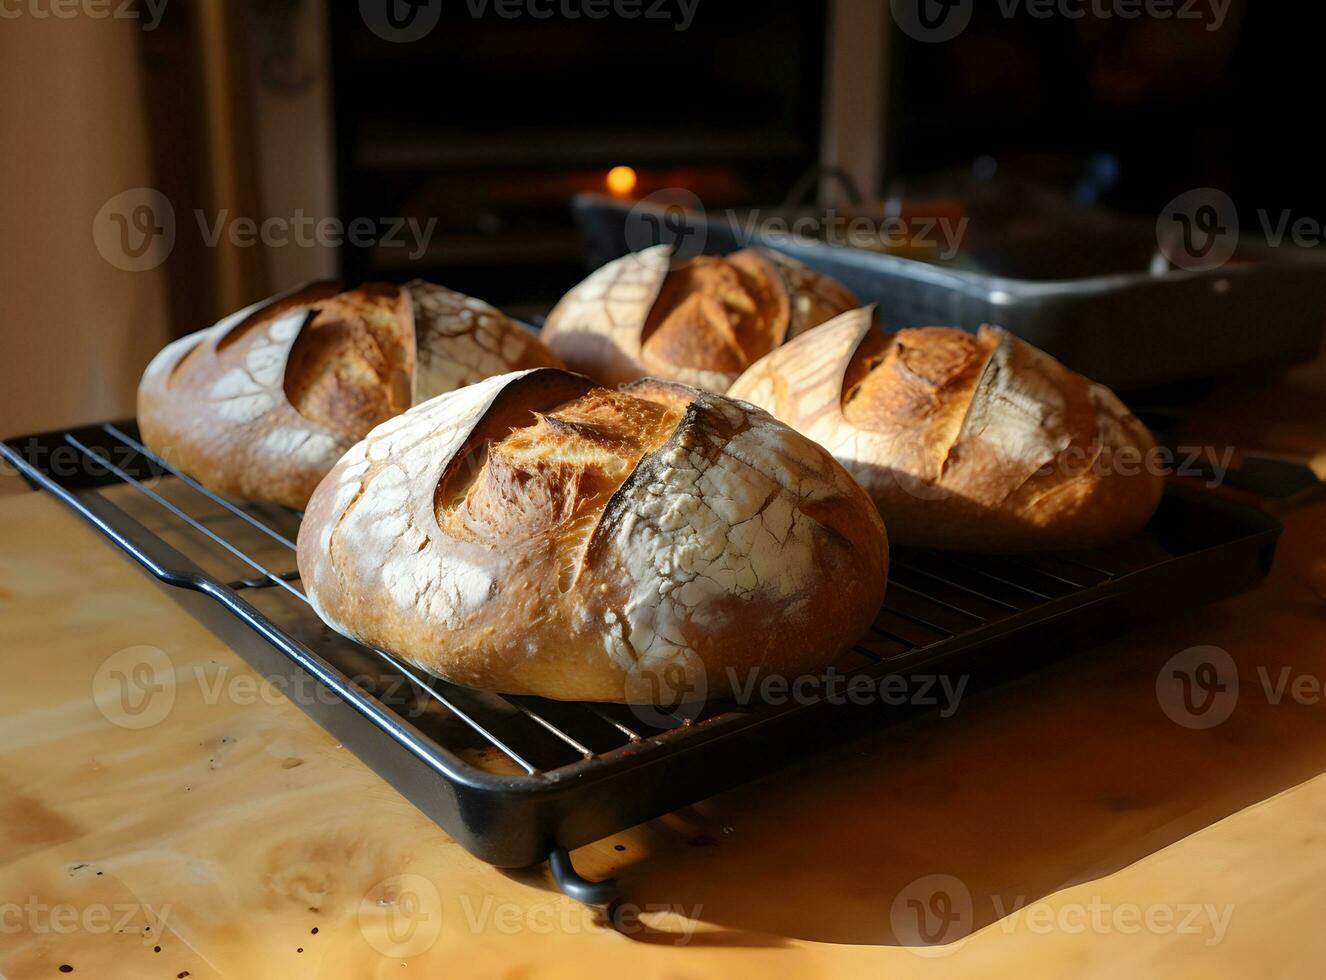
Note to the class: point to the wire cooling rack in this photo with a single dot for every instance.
(519, 780)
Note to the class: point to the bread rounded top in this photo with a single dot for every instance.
(700, 321)
(462, 340)
(264, 402)
(972, 441)
(536, 534)
(722, 314)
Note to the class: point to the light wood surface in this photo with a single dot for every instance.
(234, 827)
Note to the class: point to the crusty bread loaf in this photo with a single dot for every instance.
(535, 534)
(971, 442)
(700, 321)
(262, 404)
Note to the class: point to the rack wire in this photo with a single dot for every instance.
(517, 778)
(932, 598)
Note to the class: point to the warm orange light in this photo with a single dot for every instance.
(621, 181)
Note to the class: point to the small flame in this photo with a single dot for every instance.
(621, 181)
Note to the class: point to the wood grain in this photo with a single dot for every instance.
(250, 828)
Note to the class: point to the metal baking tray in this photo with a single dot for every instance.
(1129, 331)
(519, 780)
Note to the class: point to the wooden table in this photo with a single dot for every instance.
(1085, 832)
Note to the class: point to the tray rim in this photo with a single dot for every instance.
(987, 285)
(633, 760)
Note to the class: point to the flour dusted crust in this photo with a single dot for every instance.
(972, 442)
(700, 321)
(463, 340)
(596, 327)
(535, 534)
(263, 403)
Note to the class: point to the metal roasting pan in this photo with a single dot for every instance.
(1131, 331)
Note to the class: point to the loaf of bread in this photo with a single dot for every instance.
(535, 534)
(969, 442)
(700, 321)
(263, 403)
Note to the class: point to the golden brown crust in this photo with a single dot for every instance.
(815, 299)
(972, 442)
(535, 534)
(262, 404)
(352, 365)
(700, 321)
(719, 314)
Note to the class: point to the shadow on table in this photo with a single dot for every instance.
(1065, 777)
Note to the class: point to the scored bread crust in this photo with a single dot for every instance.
(534, 534)
(815, 299)
(265, 402)
(217, 404)
(606, 326)
(462, 340)
(967, 442)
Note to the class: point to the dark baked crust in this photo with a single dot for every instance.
(262, 404)
(534, 534)
(975, 442)
(700, 321)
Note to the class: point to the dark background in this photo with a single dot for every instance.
(491, 124)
